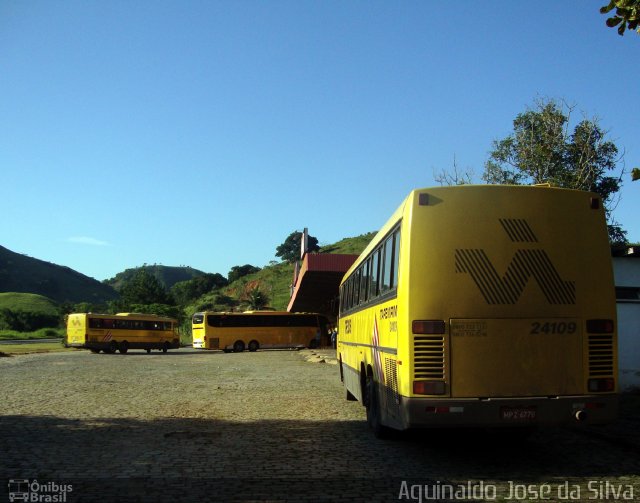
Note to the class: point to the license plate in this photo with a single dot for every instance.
(518, 413)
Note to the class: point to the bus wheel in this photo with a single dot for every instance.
(165, 347)
(148, 350)
(113, 347)
(238, 347)
(373, 409)
(124, 347)
(253, 346)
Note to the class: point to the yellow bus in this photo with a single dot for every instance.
(120, 332)
(253, 330)
(483, 306)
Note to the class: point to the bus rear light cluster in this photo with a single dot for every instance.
(600, 326)
(428, 327)
(444, 410)
(429, 387)
(602, 384)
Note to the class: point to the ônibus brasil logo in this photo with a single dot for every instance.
(34, 491)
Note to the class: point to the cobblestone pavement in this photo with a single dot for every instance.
(266, 426)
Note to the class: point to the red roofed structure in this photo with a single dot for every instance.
(316, 281)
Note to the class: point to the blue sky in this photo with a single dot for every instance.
(202, 133)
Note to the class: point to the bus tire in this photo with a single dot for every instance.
(113, 347)
(165, 347)
(148, 350)
(124, 347)
(373, 410)
(253, 346)
(238, 347)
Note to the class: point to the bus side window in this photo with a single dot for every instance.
(396, 257)
(387, 261)
(374, 274)
(364, 283)
(356, 287)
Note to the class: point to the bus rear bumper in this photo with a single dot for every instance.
(509, 412)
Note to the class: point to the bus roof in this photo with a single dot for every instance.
(273, 313)
(399, 212)
(127, 315)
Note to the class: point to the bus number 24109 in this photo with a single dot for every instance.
(554, 327)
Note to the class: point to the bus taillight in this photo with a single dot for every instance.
(602, 384)
(429, 387)
(600, 326)
(428, 327)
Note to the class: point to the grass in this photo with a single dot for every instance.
(36, 347)
(350, 246)
(43, 333)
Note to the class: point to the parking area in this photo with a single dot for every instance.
(191, 425)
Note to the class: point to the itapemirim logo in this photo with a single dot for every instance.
(525, 264)
(34, 491)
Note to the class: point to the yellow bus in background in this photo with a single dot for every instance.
(483, 306)
(120, 332)
(253, 330)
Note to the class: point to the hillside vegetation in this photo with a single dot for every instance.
(275, 280)
(166, 275)
(26, 312)
(172, 291)
(349, 246)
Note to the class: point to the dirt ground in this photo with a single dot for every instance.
(268, 426)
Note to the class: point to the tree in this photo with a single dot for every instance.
(186, 291)
(238, 271)
(290, 249)
(543, 149)
(457, 177)
(255, 298)
(627, 15)
(144, 288)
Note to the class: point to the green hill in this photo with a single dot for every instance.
(166, 275)
(28, 302)
(19, 273)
